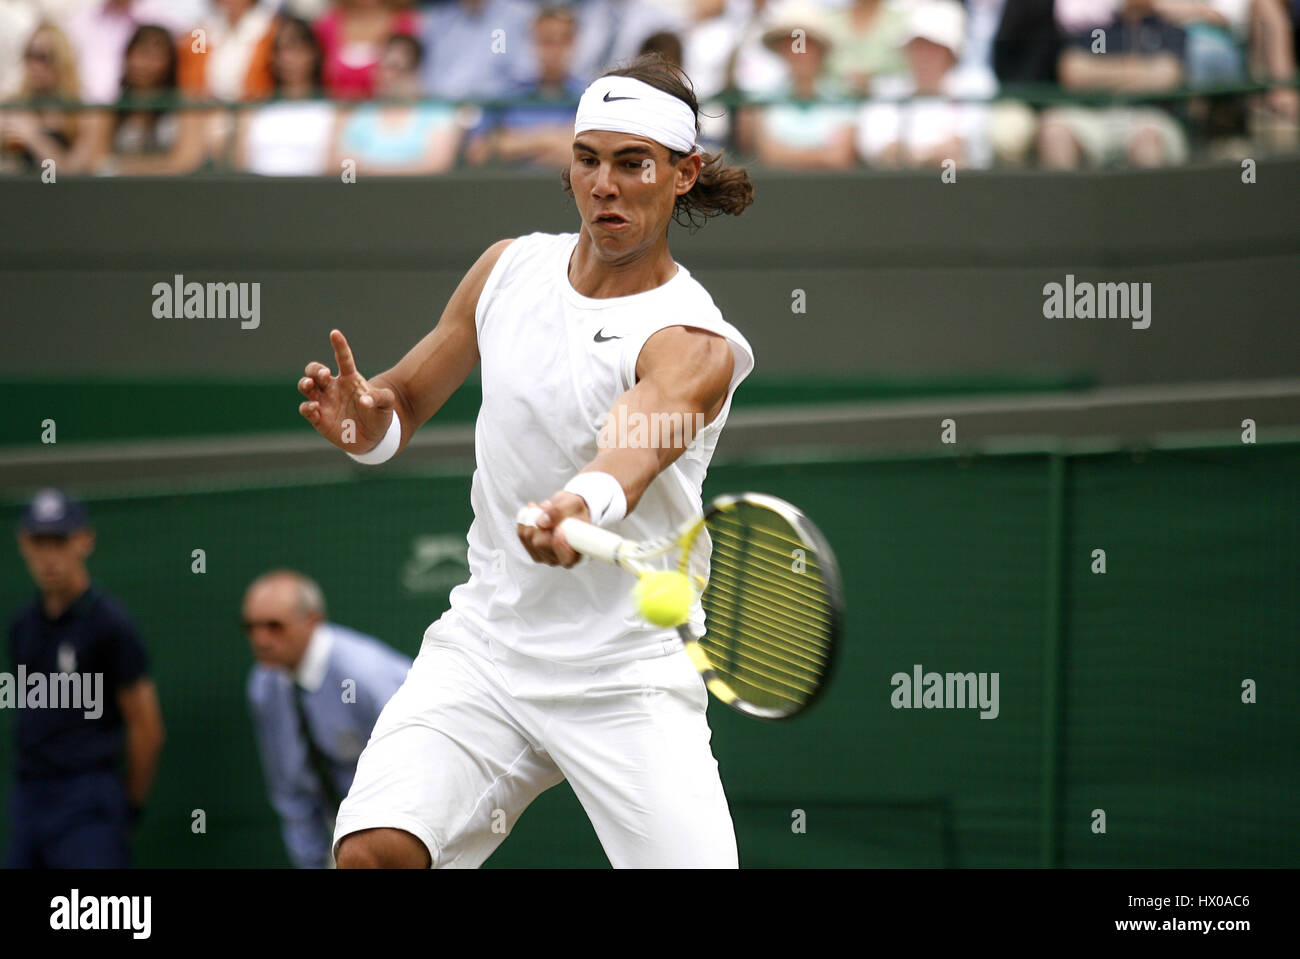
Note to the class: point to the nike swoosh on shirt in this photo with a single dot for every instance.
(605, 339)
(608, 99)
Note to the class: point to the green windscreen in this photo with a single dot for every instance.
(1088, 694)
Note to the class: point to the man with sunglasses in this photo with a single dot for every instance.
(315, 693)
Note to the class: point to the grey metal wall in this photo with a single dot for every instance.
(903, 274)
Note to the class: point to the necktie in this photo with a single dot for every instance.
(318, 760)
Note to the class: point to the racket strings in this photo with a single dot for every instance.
(768, 613)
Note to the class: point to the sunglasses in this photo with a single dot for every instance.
(274, 625)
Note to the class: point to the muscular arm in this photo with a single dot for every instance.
(683, 375)
(1122, 73)
(144, 737)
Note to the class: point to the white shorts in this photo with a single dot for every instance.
(477, 732)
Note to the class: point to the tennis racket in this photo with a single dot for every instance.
(770, 588)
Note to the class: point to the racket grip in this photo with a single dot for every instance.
(592, 540)
(527, 515)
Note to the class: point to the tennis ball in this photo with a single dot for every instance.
(664, 597)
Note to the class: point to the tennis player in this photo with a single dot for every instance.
(539, 672)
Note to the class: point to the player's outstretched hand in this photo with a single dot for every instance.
(350, 412)
(544, 542)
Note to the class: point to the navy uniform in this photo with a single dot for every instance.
(69, 806)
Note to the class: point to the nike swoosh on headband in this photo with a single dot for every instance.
(608, 99)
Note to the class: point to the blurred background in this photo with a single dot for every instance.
(924, 172)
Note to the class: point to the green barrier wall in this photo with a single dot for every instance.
(1119, 691)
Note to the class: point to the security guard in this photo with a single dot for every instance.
(88, 721)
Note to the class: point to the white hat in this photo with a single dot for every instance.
(939, 21)
(781, 20)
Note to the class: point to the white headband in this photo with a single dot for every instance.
(625, 105)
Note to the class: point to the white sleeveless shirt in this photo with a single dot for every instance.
(553, 363)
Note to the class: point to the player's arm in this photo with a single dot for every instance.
(142, 715)
(354, 413)
(683, 375)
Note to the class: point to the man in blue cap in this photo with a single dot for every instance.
(84, 700)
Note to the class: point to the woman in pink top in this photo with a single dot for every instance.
(352, 36)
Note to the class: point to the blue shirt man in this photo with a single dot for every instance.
(475, 48)
(315, 694)
(89, 725)
(537, 131)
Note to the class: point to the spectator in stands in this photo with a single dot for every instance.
(476, 48)
(1144, 55)
(867, 38)
(1007, 130)
(100, 33)
(398, 139)
(929, 126)
(801, 133)
(234, 60)
(146, 133)
(18, 20)
(723, 50)
(352, 37)
(230, 61)
(974, 75)
(291, 137)
(537, 133)
(614, 30)
(1218, 31)
(1027, 44)
(29, 137)
(315, 693)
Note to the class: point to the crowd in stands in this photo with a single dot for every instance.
(309, 87)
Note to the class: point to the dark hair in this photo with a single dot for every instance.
(719, 188)
(411, 43)
(308, 36)
(556, 11)
(666, 43)
(143, 34)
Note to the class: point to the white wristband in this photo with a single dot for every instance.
(606, 501)
(386, 447)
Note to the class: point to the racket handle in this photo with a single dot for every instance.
(587, 539)
(592, 540)
(527, 515)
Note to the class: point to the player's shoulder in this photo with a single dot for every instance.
(691, 299)
(533, 247)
